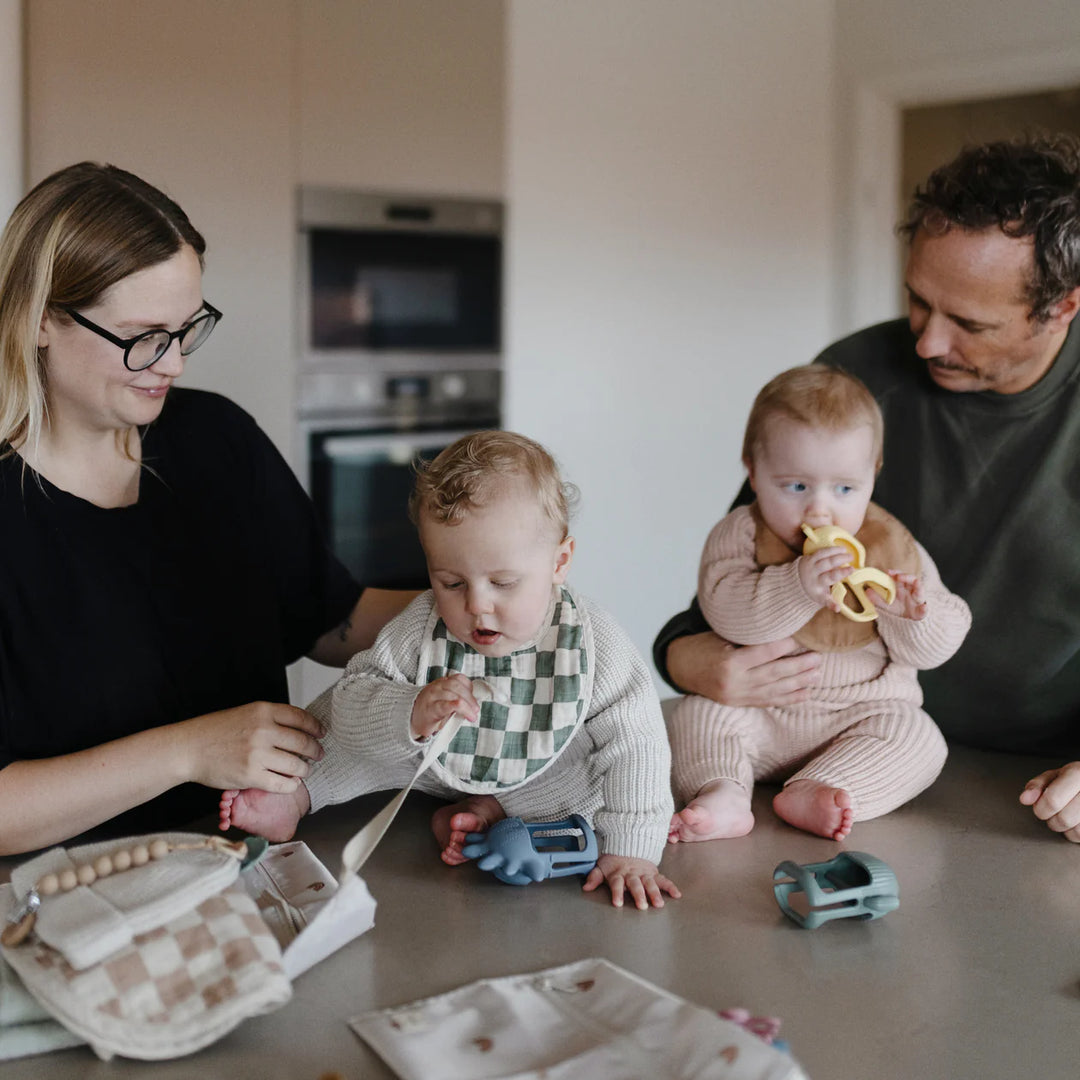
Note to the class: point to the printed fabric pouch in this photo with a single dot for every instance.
(150, 957)
(589, 1019)
(309, 912)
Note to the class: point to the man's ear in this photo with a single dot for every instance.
(1065, 310)
(564, 555)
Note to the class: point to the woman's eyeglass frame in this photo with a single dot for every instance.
(127, 344)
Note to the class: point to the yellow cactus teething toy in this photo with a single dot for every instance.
(860, 577)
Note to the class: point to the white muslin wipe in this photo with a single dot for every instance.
(587, 1019)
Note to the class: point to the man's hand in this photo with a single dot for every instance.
(778, 673)
(1055, 797)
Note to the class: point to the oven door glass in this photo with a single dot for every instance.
(404, 290)
(360, 483)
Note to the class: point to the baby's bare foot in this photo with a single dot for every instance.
(264, 813)
(451, 824)
(816, 808)
(719, 811)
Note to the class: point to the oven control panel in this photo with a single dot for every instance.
(422, 395)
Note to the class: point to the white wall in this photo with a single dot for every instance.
(879, 37)
(11, 106)
(669, 180)
(405, 95)
(196, 99)
(229, 106)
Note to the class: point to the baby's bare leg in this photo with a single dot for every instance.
(264, 813)
(816, 808)
(719, 811)
(451, 824)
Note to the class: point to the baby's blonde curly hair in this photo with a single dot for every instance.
(467, 473)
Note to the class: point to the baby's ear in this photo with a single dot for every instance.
(564, 555)
(749, 465)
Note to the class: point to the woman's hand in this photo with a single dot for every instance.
(47, 800)
(262, 745)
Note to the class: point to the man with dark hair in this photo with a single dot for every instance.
(980, 390)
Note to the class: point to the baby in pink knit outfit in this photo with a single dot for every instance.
(860, 745)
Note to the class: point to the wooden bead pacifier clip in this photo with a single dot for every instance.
(860, 577)
(22, 921)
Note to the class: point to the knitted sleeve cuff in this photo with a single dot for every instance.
(632, 840)
(929, 642)
(363, 745)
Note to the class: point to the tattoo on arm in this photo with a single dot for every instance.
(344, 628)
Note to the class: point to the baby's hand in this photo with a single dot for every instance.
(435, 704)
(820, 571)
(639, 877)
(910, 602)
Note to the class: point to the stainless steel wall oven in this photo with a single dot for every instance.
(400, 354)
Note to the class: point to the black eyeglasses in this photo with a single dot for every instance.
(146, 349)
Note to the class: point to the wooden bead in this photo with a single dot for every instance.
(103, 866)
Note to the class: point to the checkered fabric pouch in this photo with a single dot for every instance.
(173, 982)
(92, 921)
(540, 698)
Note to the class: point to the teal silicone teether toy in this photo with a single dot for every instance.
(854, 885)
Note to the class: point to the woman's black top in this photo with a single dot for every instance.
(192, 600)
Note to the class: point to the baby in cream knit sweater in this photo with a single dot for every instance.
(572, 723)
(859, 745)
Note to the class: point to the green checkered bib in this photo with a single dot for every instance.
(541, 694)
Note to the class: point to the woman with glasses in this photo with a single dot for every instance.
(159, 563)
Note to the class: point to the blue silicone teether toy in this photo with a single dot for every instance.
(519, 853)
(854, 885)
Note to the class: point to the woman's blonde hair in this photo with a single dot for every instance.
(817, 396)
(76, 234)
(468, 472)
